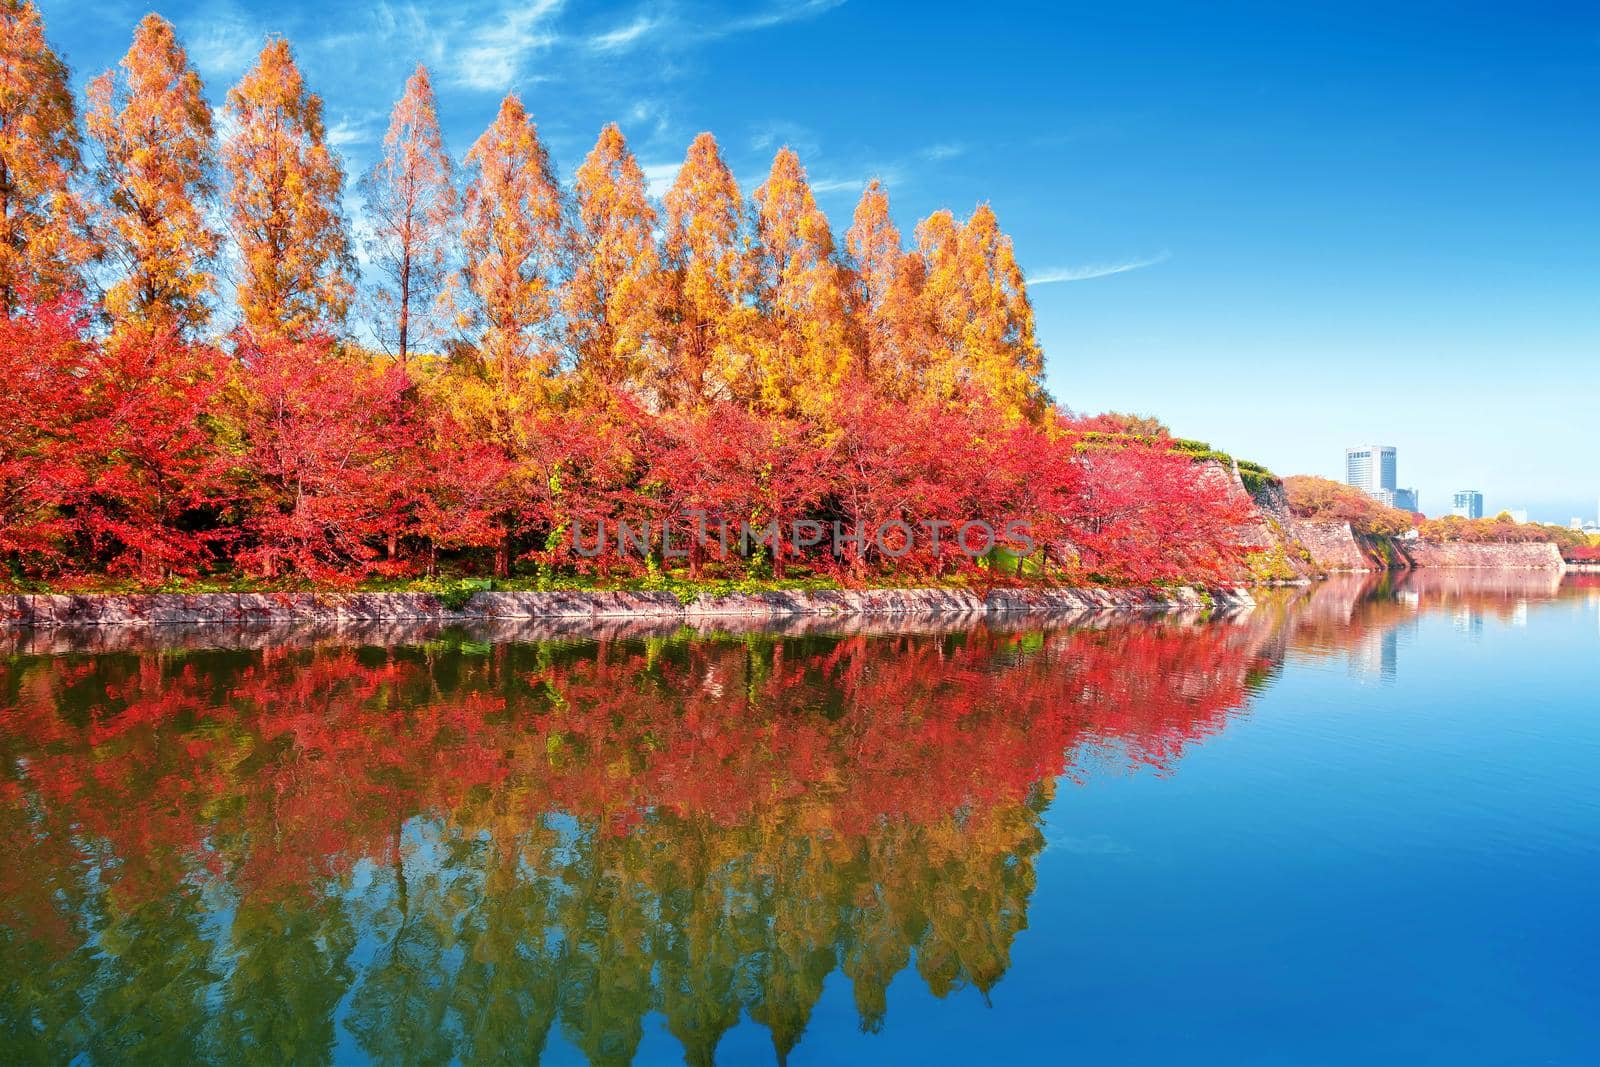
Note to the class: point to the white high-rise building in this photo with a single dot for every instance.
(1373, 470)
(1370, 468)
(1468, 504)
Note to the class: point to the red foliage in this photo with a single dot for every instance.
(40, 350)
(720, 730)
(1146, 513)
(730, 466)
(324, 438)
(106, 452)
(917, 469)
(129, 457)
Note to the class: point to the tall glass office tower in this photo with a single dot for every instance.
(1370, 468)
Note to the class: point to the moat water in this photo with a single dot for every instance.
(1360, 824)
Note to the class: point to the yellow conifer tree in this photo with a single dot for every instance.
(887, 298)
(708, 279)
(285, 186)
(514, 241)
(44, 240)
(156, 174)
(977, 308)
(802, 353)
(612, 301)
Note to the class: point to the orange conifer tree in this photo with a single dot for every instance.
(514, 243)
(612, 300)
(285, 186)
(156, 175)
(886, 297)
(802, 352)
(707, 279)
(977, 306)
(44, 240)
(411, 210)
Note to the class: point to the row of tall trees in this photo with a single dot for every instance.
(540, 355)
(754, 301)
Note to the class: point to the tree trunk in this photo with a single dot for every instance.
(502, 556)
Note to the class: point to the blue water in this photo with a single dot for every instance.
(1360, 824)
(1400, 866)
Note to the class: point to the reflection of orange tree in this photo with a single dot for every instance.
(552, 834)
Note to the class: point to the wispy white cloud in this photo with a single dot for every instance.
(225, 46)
(838, 184)
(649, 117)
(658, 177)
(492, 59)
(350, 130)
(776, 15)
(937, 152)
(774, 134)
(1094, 270)
(624, 37)
(404, 28)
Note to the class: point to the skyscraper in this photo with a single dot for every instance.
(1373, 470)
(1370, 468)
(1468, 504)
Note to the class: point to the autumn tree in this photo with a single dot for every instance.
(42, 350)
(106, 454)
(323, 436)
(284, 194)
(1325, 500)
(886, 297)
(611, 301)
(726, 468)
(44, 241)
(1146, 512)
(513, 241)
(145, 471)
(802, 351)
(707, 278)
(156, 176)
(410, 211)
(978, 307)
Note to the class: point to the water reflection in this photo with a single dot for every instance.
(233, 847)
(1366, 619)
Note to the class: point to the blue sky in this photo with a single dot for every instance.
(1284, 228)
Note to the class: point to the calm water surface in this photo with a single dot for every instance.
(1357, 825)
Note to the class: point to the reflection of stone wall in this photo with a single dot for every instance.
(268, 609)
(1531, 556)
(1487, 585)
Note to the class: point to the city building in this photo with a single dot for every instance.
(1373, 470)
(1519, 514)
(1370, 468)
(1468, 504)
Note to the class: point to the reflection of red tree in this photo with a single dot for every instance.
(293, 763)
(748, 814)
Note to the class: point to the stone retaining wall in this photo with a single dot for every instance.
(1333, 545)
(267, 609)
(1530, 556)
